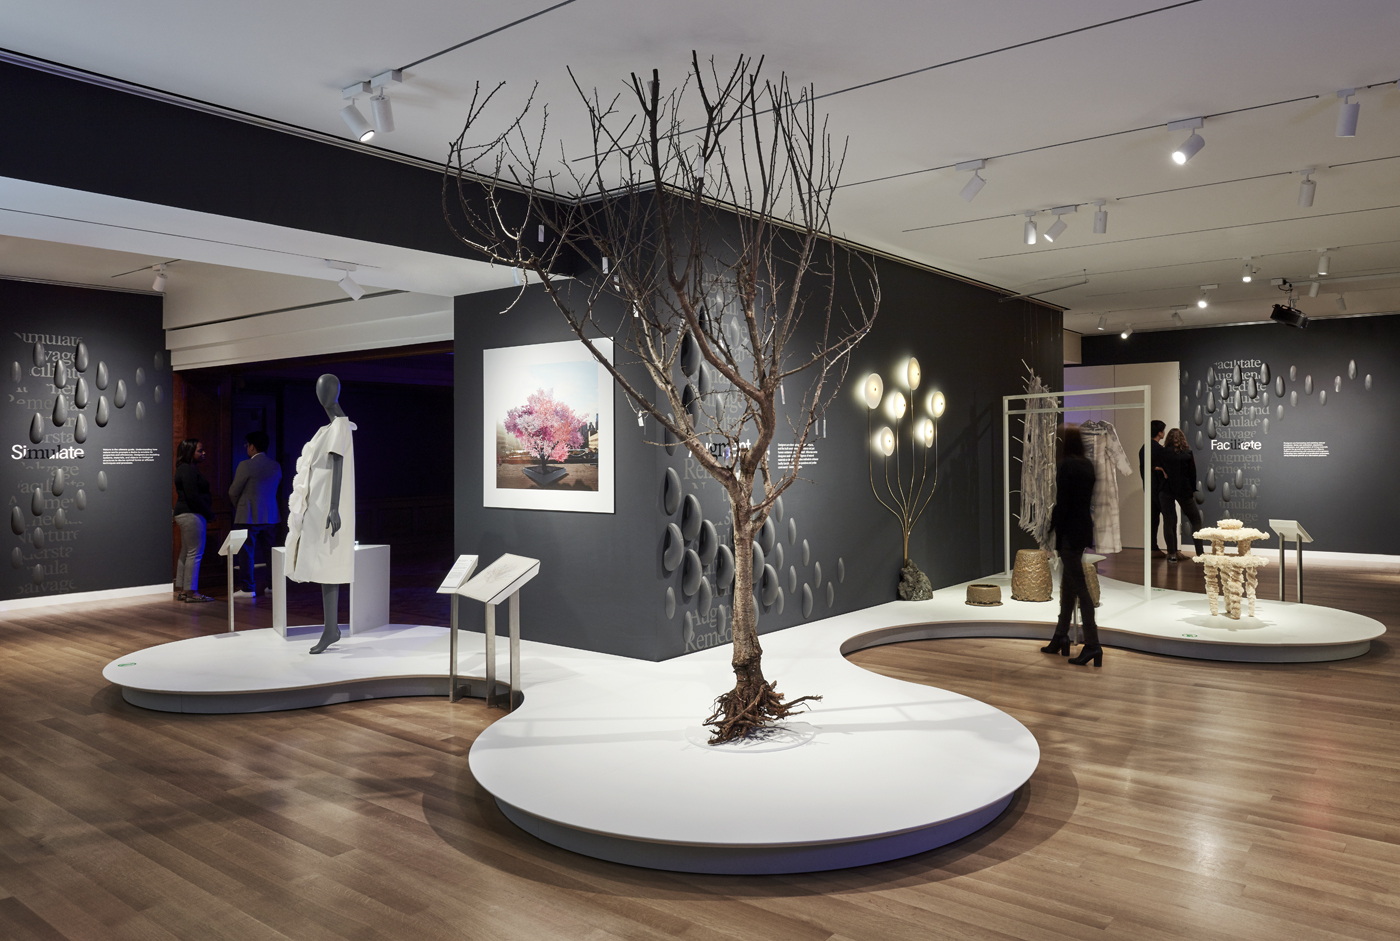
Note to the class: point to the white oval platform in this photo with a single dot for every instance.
(602, 757)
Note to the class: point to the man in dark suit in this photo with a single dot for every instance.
(1159, 478)
(254, 496)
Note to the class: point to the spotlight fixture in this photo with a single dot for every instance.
(159, 283)
(1348, 113)
(362, 129)
(1059, 225)
(1312, 291)
(974, 185)
(347, 283)
(1030, 228)
(1203, 300)
(1100, 218)
(1193, 144)
(1176, 318)
(1324, 262)
(1247, 275)
(1308, 188)
(1289, 315)
(1341, 302)
(383, 108)
(1127, 331)
(1103, 321)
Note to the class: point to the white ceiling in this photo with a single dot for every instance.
(288, 62)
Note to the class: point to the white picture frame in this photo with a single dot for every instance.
(509, 376)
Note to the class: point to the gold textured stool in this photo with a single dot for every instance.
(1030, 578)
(1091, 575)
(984, 595)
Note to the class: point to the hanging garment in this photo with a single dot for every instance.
(313, 554)
(1106, 451)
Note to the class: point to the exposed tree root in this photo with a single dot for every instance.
(741, 711)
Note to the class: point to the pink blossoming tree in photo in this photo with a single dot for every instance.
(545, 427)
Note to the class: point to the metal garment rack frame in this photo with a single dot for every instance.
(1146, 405)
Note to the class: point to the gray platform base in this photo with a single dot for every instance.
(279, 700)
(754, 860)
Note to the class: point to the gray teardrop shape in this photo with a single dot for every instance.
(102, 480)
(669, 440)
(140, 376)
(670, 606)
(792, 530)
(1278, 413)
(841, 569)
(770, 587)
(102, 415)
(1278, 387)
(1266, 426)
(38, 575)
(1210, 427)
(1264, 374)
(1237, 400)
(1322, 397)
(768, 535)
(1200, 498)
(1198, 388)
(159, 395)
(778, 510)
(140, 410)
(17, 557)
(1235, 376)
(36, 501)
(80, 394)
(1210, 376)
(779, 602)
(1253, 491)
(690, 354)
(778, 555)
(672, 547)
(1292, 373)
(37, 538)
(709, 542)
(1200, 441)
(691, 400)
(806, 553)
(831, 594)
(1210, 402)
(80, 428)
(60, 519)
(60, 375)
(1293, 397)
(1337, 384)
(82, 500)
(80, 357)
(1307, 384)
(1239, 478)
(158, 360)
(724, 575)
(16, 374)
(706, 382)
(1351, 369)
(1186, 401)
(39, 354)
(102, 378)
(806, 601)
(1251, 388)
(1368, 382)
(16, 521)
(36, 428)
(691, 573)
(1225, 490)
(705, 597)
(792, 579)
(60, 411)
(817, 575)
(690, 517)
(1198, 417)
(1210, 480)
(119, 400)
(671, 492)
(758, 557)
(58, 483)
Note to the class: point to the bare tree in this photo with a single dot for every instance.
(697, 233)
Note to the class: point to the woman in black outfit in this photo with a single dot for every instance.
(1074, 532)
(1180, 490)
(192, 514)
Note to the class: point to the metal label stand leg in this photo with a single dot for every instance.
(452, 692)
(490, 655)
(1281, 559)
(230, 593)
(514, 651)
(1298, 565)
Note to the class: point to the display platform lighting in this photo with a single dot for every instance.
(1348, 113)
(1193, 144)
(1308, 188)
(974, 185)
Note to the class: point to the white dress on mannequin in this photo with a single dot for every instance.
(313, 553)
(1106, 451)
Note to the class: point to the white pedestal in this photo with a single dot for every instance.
(369, 592)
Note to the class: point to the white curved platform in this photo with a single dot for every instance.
(603, 757)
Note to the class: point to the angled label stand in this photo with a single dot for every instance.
(457, 576)
(1290, 530)
(232, 544)
(499, 581)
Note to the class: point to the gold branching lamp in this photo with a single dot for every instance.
(906, 498)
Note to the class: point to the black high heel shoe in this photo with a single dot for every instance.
(1086, 654)
(1059, 645)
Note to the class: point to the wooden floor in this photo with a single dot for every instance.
(1175, 799)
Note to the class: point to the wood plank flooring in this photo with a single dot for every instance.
(1175, 799)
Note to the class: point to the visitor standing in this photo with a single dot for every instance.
(193, 512)
(1180, 490)
(1073, 525)
(253, 494)
(1159, 480)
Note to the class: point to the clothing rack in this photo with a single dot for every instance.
(1146, 405)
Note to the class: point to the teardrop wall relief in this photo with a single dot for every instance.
(36, 501)
(769, 587)
(1264, 374)
(704, 597)
(1200, 441)
(159, 395)
(1224, 418)
(806, 553)
(669, 605)
(792, 579)
(1198, 388)
(673, 546)
(831, 594)
(690, 517)
(59, 482)
(777, 557)
(1368, 382)
(60, 411)
(1278, 387)
(1307, 384)
(1210, 402)
(38, 575)
(36, 428)
(80, 394)
(37, 538)
(16, 374)
(1293, 397)
(140, 376)
(1210, 376)
(709, 543)
(102, 415)
(39, 354)
(1239, 478)
(706, 382)
(140, 410)
(817, 574)
(671, 492)
(690, 354)
(1337, 385)
(778, 509)
(806, 601)
(101, 380)
(80, 428)
(758, 557)
(780, 602)
(80, 357)
(1235, 376)
(158, 361)
(119, 400)
(101, 480)
(1210, 480)
(60, 519)
(1322, 397)
(792, 530)
(1292, 373)
(17, 558)
(1266, 426)
(691, 573)
(16, 521)
(841, 569)
(768, 535)
(724, 573)
(1279, 412)
(82, 500)
(1197, 418)
(1225, 490)
(1351, 369)
(1253, 491)
(60, 375)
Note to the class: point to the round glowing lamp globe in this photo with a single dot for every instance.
(873, 390)
(926, 432)
(884, 441)
(897, 405)
(913, 374)
(936, 404)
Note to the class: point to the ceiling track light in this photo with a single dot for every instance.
(974, 185)
(359, 127)
(1059, 225)
(1341, 302)
(1348, 114)
(1308, 188)
(1127, 331)
(1247, 275)
(1103, 321)
(1193, 144)
(1030, 227)
(1204, 300)
(347, 283)
(1313, 289)
(1100, 218)
(159, 283)
(1176, 318)
(1324, 261)
(383, 108)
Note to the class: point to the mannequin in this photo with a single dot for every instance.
(325, 481)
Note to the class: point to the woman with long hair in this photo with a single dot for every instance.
(1180, 490)
(1074, 532)
(192, 514)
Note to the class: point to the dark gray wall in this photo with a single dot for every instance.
(123, 537)
(1346, 500)
(602, 585)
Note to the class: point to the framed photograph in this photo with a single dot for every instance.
(547, 429)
